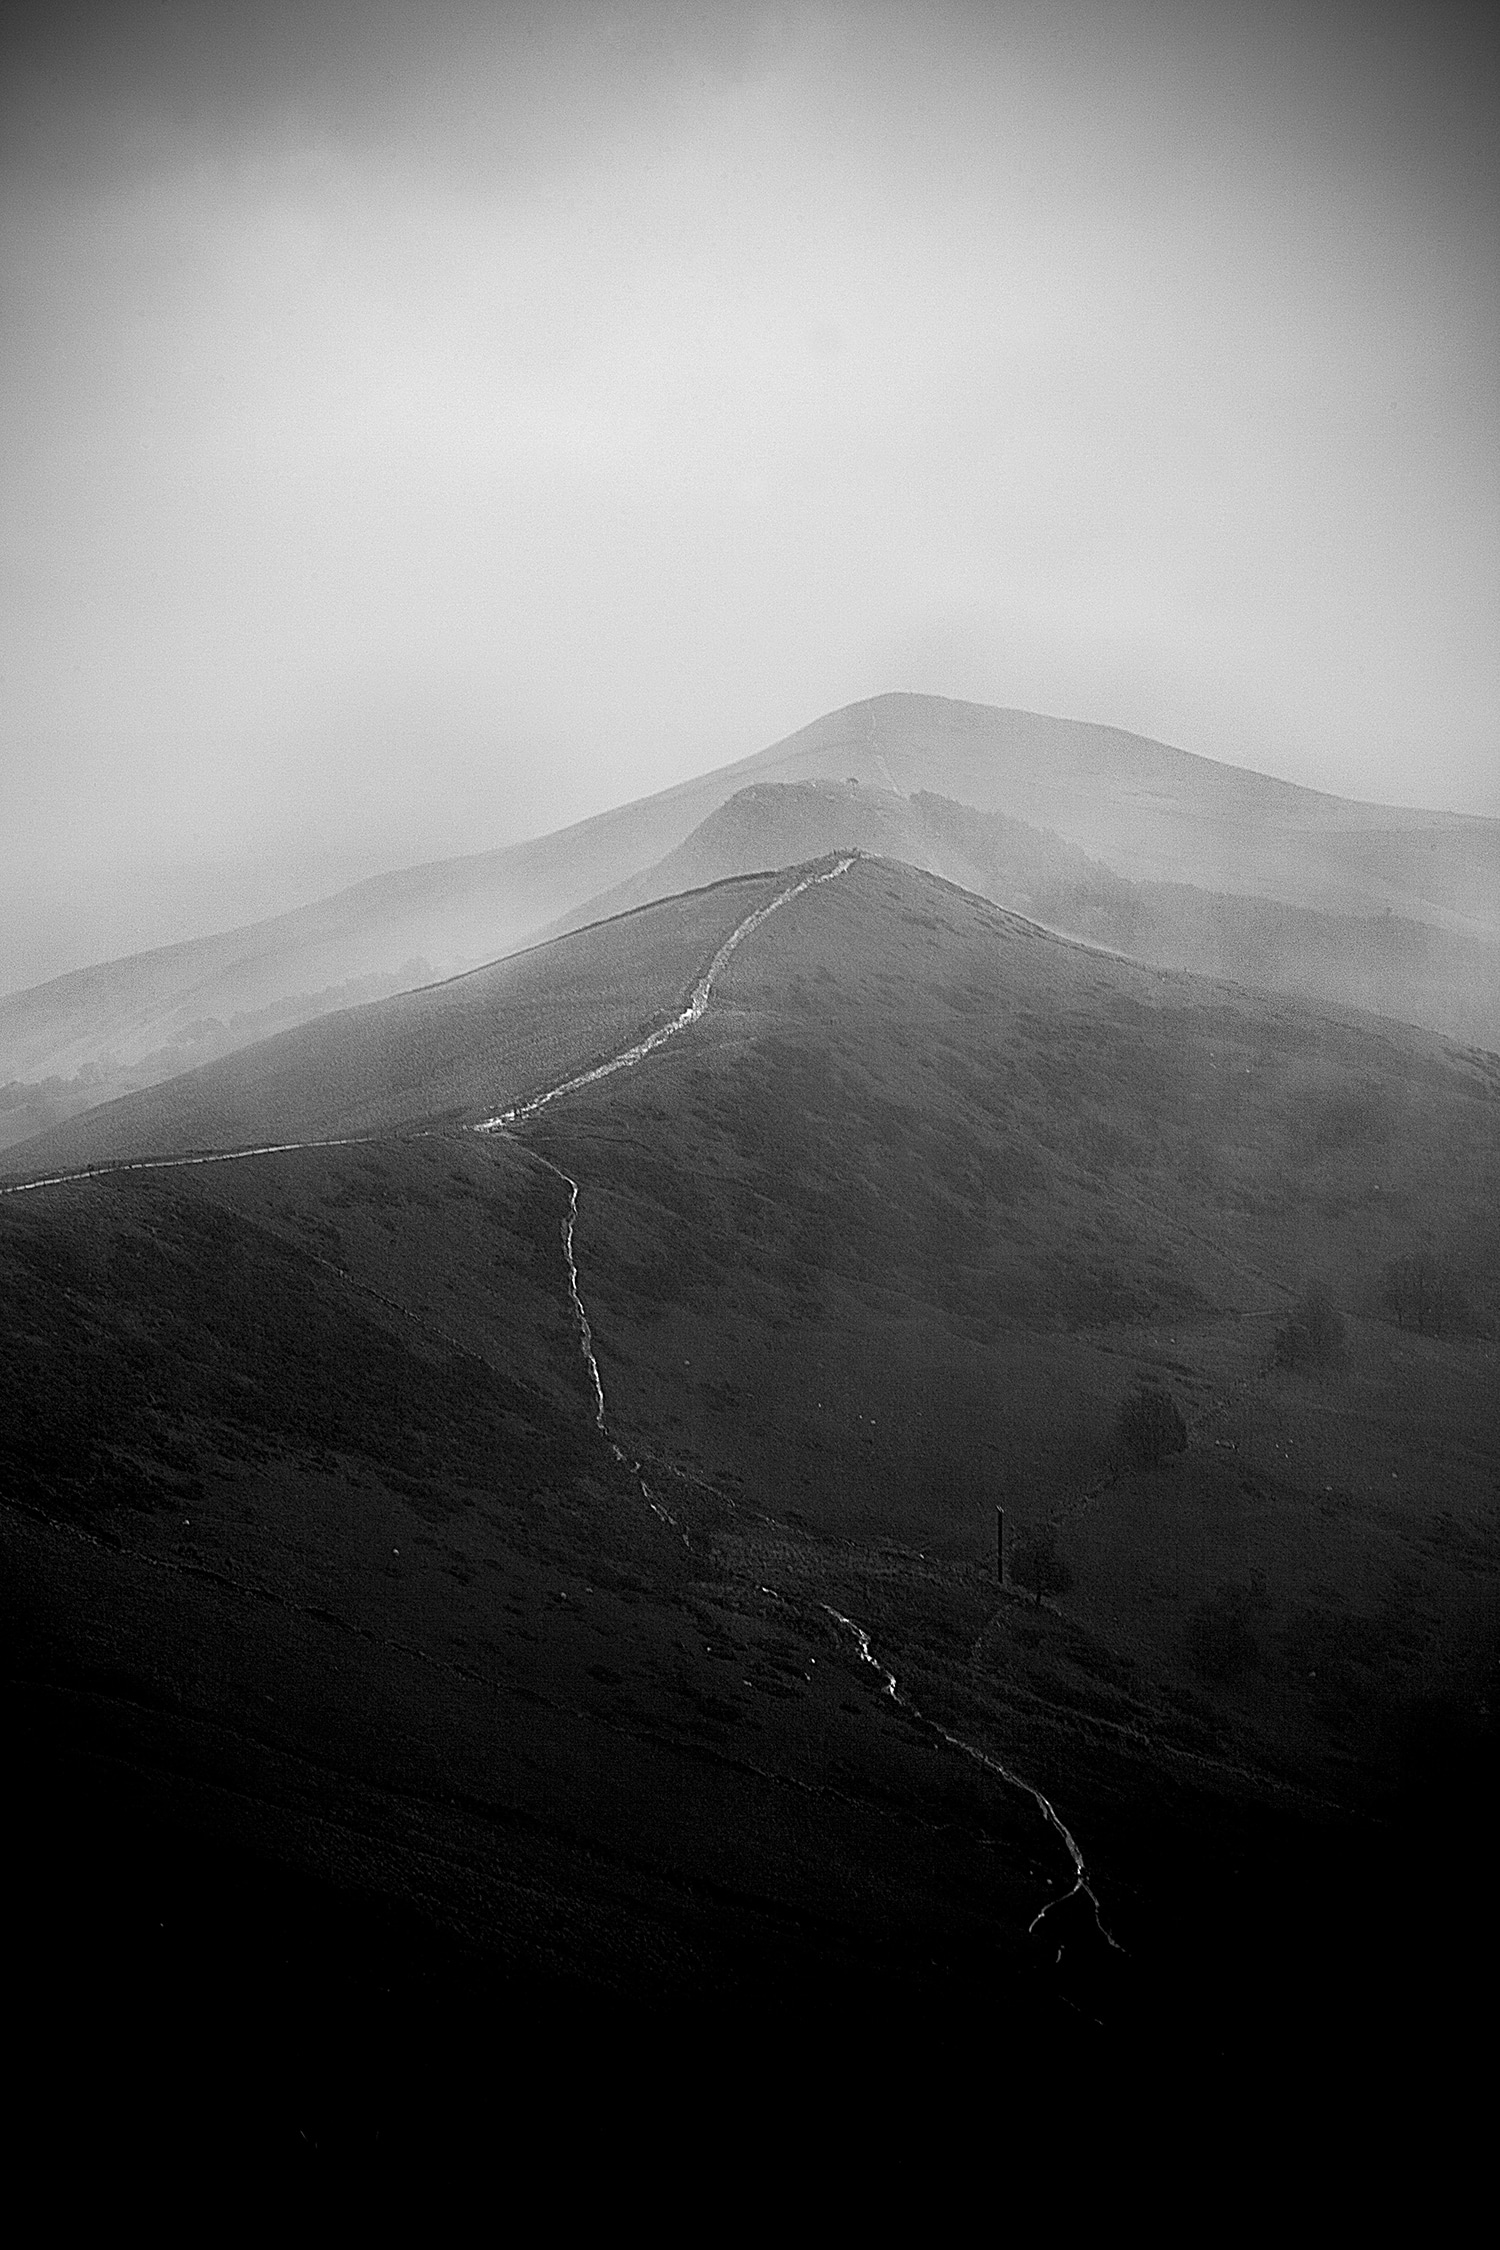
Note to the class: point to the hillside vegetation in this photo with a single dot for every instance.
(321, 1581)
(890, 1243)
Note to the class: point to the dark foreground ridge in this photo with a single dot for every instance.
(491, 1612)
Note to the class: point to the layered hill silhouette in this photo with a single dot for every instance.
(1442, 979)
(1151, 813)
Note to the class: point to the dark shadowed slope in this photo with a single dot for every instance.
(339, 1633)
(898, 1237)
(1150, 811)
(917, 1112)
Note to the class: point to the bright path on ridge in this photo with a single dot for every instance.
(702, 991)
(625, 1060)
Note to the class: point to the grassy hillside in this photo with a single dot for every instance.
(891, 1242)
(464, 1048)
(321, 1585)
(402, 1724)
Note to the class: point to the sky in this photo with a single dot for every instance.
(424, 425)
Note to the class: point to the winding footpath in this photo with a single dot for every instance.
(1044, 1804)
(502, 1123)
(627, 1059)
(691, 1014)
(586, 1345)
(187, 1163)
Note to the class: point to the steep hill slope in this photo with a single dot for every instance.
(560, 1561)
(1152, 812)
(905, 1097)
(458, 1049)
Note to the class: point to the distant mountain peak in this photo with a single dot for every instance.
(1150, 812)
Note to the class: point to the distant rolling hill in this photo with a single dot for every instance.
(1443, 979)
(1156, 813)
(1153, 813)
(449, 1051)
(322, 1581)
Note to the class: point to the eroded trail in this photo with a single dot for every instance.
(580, 1310)
(586, 1346)
(502, 1123)
(190, 1163)
(702, 992)
(1049, 1812)
(627, 1058)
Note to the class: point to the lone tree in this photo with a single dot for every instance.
(1150, 1425)
(1035, 1565)
(1313, 1337)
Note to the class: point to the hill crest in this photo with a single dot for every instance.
(1151, 812)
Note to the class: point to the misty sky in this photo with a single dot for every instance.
(424, 425)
